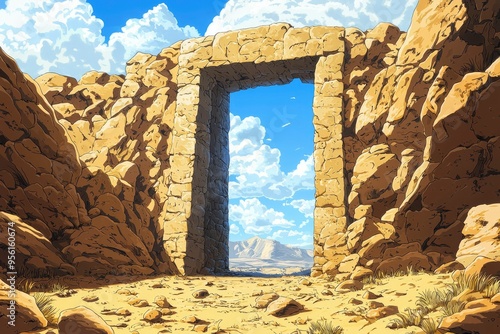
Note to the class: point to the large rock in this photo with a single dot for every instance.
(481, 231)
(283, 307)
(23, 315)
(479, 316)
(83, 320)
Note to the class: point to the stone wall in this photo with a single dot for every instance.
(405, 144)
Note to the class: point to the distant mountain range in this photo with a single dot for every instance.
(267, 249)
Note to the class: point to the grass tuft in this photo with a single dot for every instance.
(324, 327)
(454, 306)
(429, 326)
(430, 300)
(25, 285)
(44, 303)
(410, 317)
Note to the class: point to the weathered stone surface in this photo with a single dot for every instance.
(405, 134)
(283, 307)
(82, 319)
(414, 260)
(479, 316)
(26, 316)
(481, 231)
(483, 266)
(264, 300)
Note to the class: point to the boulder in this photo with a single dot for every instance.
(82, 319)
(479, 316)
(24, 314)
(283, 307)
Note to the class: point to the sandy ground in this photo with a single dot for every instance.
(229, 307)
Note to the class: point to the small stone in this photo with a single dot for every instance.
(201, 328)
(370, 295)
(157, 286)
(152, 315)
(90, 299)
(374, 304)
(326, 292)
(190, 319)
(202, 293)
(300, 321)
(166, 311)
(305, 282)
(125, 292)
(382, 312)
(294, 288)
(138, 302)
(120, 325)
(355, 301)
(349, 285)
(123, 312)
(209, 283)
(162, 301)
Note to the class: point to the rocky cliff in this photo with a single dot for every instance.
(83, 166)
(85, 171)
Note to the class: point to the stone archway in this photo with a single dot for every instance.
(196, 224)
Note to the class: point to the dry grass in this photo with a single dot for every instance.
(432, 300)
(429, 326)
(324, 327)
(44, 303)
(25, 285)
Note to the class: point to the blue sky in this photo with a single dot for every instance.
(271, 138)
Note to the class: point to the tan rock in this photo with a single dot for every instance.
(483, 266)
(480, 232)
(479, 316)
(82, 319)
(266, 299)
(162, 302)
(25, 313)
(414, 260)
(382, 312)
(349, 285)
(152, 315)
(283, 307)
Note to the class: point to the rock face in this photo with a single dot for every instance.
(481, 231)
(129, 174)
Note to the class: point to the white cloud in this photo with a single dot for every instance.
(64, 36)
(306, 241)
(234, 229)
(306, 207)
(281, 234)
(256, 218)
(285, 125)
(256, 166)
(304, 223)
(364, 14)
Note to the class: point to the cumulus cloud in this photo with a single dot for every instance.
(306, 207)
(256, 218)
(234, 229)
(364, 14)
(64, 36)
(256, 166)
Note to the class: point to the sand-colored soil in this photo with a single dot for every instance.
(229, 307)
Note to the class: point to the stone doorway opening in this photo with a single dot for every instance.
(271, 180)
(196, 225)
